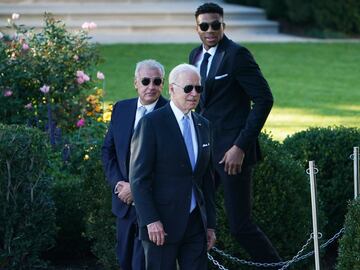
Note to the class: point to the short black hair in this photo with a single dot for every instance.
(209, 8)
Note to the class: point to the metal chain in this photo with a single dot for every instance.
(216, 263)
(298, 257)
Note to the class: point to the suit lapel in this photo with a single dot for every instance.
(176, 131)
(125, 130)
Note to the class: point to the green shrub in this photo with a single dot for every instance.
(330, 148)
(349, 256)
(323, 17)
(100, 222)
(27, 216)
(43, 75)
(282, 205)
(67, 193)
(338, 16)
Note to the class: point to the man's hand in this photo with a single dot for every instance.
(124, 192)
(211, 238)
(156, 233)
(233, 160)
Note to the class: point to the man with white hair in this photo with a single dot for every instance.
(171, 180)
(148, 82)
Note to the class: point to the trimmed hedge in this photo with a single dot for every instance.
(327, 16)
(282, 205)
(349, 256)
(27, 216)
(330, 148)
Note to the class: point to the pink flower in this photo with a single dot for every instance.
(88, 25)
(15, 16)
(76, 57)
(28, 106)
(81, 77)
(100, 75)
(45, 89)
(25, 47)
(8, 93)
(80, 80)
(92, 25)
(80, 123)
(85, 25)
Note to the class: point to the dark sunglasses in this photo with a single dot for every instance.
(188, 88)
(215, 25)
(146, 81)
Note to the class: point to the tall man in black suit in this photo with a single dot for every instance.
(236, 100)
(170, 177)
(149, 81)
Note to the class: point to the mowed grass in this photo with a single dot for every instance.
(314, 84)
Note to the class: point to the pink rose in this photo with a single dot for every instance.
(15, 16)
(92, 25)
(85, 26)
(81, 77)
(8, 93)
(88, 25)
(45, 89)
(80, 123)
(28, 106)
(100, 75)
(80, 80)
(25, 47)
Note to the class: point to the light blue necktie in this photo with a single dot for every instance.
(141, 112)
(190, 149)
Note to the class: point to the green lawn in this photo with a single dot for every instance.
(314, 84)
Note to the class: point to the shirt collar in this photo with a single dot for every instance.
(149, 107)
(178, 113)
(211, 51)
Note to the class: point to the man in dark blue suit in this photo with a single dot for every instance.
(236, 100)
(149, 82)
(171, 181)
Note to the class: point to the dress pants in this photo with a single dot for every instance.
(129, 250)
(238, 197)
(189, 253)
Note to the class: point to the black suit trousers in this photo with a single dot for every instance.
(188, 254)
(129, 250)
(238, 204)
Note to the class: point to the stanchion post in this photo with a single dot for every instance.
(356, 172)
(312, 171)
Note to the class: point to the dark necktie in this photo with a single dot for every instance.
(203, 67)
(203, 71)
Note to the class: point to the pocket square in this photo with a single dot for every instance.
(221, 76)
(206, 145)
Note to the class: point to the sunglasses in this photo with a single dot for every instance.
(146, 81)
(215, 25)
(188, 88)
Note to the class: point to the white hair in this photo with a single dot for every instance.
(151, 64)
(176, 71)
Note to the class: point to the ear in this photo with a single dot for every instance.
(135, 84)
(171, 89)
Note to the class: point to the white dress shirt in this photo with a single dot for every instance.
(179, 115)
(212, 52)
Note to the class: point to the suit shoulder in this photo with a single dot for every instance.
(125, 102)
(201, 119)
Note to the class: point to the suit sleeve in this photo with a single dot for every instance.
(109, 158)
(250, 78)
(142, 162)
(209, 190)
